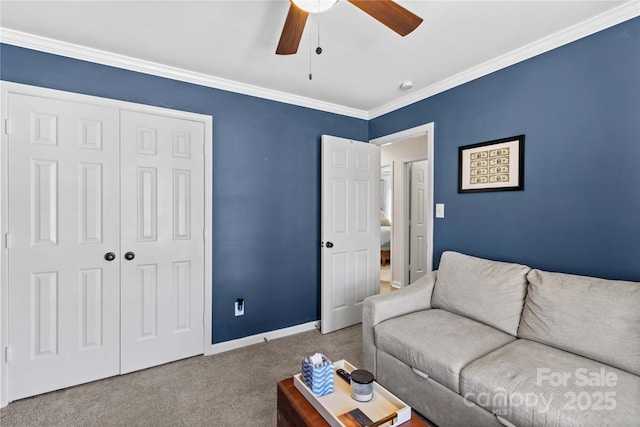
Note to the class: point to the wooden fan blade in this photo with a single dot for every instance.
(292, 31)
(390, 14)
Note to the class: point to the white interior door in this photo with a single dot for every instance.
(418, 220)
(163, 228)
(63, 217)
(350, 233)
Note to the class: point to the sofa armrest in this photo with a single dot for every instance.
(378, 308)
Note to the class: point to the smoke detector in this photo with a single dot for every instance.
(406, 85)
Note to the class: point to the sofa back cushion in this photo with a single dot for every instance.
(490, 292)
(595, 318)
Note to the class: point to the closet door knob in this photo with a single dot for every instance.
(129, 256)
(109, 256)
(329, 245)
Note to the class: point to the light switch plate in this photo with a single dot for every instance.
(439, 210)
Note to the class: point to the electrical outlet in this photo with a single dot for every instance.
(239, 304)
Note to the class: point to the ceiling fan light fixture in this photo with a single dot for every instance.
(314, 6)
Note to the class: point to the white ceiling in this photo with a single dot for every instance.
(362, 64)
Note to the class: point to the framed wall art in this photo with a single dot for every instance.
(496, 165)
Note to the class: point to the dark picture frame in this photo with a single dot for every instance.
(496, 165)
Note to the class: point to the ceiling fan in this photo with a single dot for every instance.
(387, 12)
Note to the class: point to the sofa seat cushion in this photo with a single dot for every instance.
(490, 292)
(597, 318)
(531, 384)
(438, 343)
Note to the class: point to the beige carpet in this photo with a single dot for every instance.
(237, 388)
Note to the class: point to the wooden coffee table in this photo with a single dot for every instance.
(294, 410)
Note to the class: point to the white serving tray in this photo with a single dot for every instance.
(340, 402)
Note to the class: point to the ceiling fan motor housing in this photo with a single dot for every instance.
(314, 6)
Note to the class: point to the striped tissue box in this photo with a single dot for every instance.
(319, 377)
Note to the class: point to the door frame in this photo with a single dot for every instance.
(7, 88)
(422, 130)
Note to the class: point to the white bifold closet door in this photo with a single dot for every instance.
(86, 185)
(64, 321)
(162, 226)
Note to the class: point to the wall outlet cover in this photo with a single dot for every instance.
(239, 311)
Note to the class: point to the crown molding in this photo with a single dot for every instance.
(608, 19)
(57, 47)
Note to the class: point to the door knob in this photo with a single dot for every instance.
(329, 244)
(129, 256)
(109, 256)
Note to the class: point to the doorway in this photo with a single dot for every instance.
(386, 219)
(400, 152)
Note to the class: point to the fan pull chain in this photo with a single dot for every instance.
(318, 48)
(310, 54)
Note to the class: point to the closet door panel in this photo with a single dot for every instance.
(64, 213)
(162, 226)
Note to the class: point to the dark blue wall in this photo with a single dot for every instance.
(579, 107)
(266, 184)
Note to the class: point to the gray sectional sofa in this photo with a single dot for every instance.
(487, 343)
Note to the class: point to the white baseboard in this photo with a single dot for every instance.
(396, 284)
(258, 338)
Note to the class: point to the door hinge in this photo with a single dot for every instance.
(204, 234)
(6, 240)
(7, 126)
(203, 324)
(6, 355)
